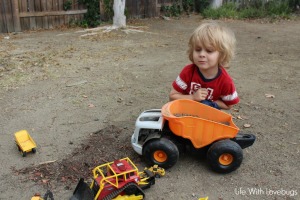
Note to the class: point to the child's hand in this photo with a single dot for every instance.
(200, 94)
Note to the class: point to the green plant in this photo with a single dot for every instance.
(188, 5)
(108, 9)
(251, 13)
(201, 5)
(67, 5)
(294, 4)
(254, 9)
(228, 10)
(277, 8)
(92, 17)
(172, 11)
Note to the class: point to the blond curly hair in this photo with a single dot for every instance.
(212, 34)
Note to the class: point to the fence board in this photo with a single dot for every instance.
(16, 18)
(77, 7)
(37, 8)
(32, 20)
(132, 7)
(45, 18)
(3, 28)
(55, 8)
(50, 18)
(60, 7)
(25, 22)
(8, 15)
(52, 13)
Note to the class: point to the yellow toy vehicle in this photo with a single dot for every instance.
(38, 196)
(116, 180)
(24, 142)
(155, 170)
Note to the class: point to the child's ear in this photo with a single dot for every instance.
(221, 61)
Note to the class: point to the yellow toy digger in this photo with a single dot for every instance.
(156, 170)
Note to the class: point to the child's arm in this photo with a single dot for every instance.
(199, 95)
(222, 105)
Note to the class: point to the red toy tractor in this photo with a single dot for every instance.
(114, 180)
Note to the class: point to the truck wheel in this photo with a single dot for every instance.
(179, 144)
(19, 148)
(161, 152)
(34, 150)
(225, 156)
(24, 153)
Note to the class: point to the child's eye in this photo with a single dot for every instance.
(210, 50)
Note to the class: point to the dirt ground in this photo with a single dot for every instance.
(78, 92)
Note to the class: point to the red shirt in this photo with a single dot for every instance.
(221, 87)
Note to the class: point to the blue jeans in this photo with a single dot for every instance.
(210, 103)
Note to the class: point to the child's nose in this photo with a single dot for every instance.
(202, 53)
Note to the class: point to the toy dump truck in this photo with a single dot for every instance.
(24, 142)
(119, 179)
(160, 135)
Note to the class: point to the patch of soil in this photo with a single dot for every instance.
(94, 151)
(63, 86)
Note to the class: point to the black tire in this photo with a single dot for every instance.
(162, 152)
(225, 156)
(24, 153)
(19, 148)
(34, 150)
(178, 141)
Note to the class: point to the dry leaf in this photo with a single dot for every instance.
(38, 174)
(75, 169)
(270, 95)
(119, 100)
(45, 181)
(239, 117)
(247, 125)
(91, 105)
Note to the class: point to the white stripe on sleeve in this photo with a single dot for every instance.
(230, 97)
(181, 83)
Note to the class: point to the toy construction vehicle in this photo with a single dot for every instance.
(115, 180)
(24, 142)
(45, 197)
(161, 134)
(155, 170)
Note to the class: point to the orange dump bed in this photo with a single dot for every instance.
(200, 123)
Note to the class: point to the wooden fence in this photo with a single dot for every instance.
(20, 15)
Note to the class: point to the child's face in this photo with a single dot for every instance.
(205, 57)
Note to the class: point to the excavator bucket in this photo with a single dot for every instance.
(82, 191)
